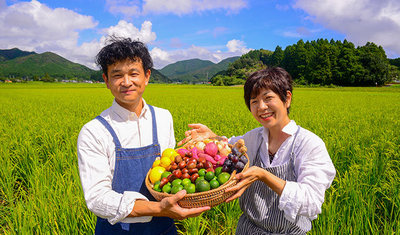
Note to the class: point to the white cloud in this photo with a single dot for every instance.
(86, 52)
(237, 46)
(33, 26)
(124, 7)
(361, 21)
(125, 29)
(162, 58)
(178, 7)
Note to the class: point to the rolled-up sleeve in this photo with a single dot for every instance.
(315, 174)
(96, 180)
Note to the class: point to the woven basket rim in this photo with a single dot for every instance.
(221, 188)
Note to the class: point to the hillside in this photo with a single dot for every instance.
(17, 63)
(157, 77)
(195, 70)
(13, 53)
(40, 64)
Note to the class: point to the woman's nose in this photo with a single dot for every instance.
(262, 105)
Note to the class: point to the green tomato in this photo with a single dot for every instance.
(202, 172)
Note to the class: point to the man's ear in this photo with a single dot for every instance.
(105, 80)
(148, 74)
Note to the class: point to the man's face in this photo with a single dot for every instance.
(127, 81)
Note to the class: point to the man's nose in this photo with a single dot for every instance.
(126, 80)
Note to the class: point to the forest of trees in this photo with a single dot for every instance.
(321, 62)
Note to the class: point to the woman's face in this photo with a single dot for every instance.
(269, 110)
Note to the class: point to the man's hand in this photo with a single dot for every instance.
(171, 209)
(197, 133)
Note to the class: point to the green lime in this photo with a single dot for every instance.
(198, 179)
(165, 174)
(202, 186)
(215, 178)
(202, 172)
(218, 170)
(156, 186)
(166, 188)
(214, 184)
(186, 182)
(223, 177)
(209, 176)
(176, 182)
(176, 188)
(190, 188)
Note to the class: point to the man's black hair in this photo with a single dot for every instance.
(120, 49)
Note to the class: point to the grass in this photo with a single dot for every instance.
(40, 191)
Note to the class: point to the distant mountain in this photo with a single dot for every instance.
(157, 77)
(41, 64)
(17, 63)
(195, 70)
(13, 53)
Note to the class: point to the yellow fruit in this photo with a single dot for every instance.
(172, 157)
(156, 163)
(165, 162)
(155, 174)
(168, 153)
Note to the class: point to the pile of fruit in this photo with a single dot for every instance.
(197, 167)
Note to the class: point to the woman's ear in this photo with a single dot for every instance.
(288, 99)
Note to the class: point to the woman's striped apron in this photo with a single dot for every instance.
(259, 203)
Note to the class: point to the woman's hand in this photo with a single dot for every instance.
(171, 209)
(197, 133)
(246, 178)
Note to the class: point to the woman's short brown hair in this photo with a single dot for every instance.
(276, 79)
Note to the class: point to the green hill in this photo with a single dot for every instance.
(13, 53)
(17, 63)
(41, 64)
(195, 70)
(157, 77)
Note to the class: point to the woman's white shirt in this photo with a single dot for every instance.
(313, 167)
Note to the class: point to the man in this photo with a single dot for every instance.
(117, 148)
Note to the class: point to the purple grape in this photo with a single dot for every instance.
(230, 156)
(243, 159)
(235, 151)
(225, 168)
(239, 166)
(227, 162)
(235, 159)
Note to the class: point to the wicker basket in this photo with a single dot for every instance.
(209, 198)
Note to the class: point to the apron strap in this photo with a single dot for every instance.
(153, 117)
(111, 130)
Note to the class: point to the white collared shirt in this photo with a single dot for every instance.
(96, 157)
(313, 167)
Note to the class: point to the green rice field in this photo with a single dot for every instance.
(40, 190)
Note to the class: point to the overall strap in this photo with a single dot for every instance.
(153, 117)
(111, 130)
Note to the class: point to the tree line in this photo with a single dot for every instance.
(321, 62)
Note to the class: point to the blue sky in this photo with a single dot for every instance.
(184, 29)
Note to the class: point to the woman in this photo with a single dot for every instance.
(290, 168)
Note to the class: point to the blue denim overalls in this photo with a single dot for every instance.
(131, 167)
